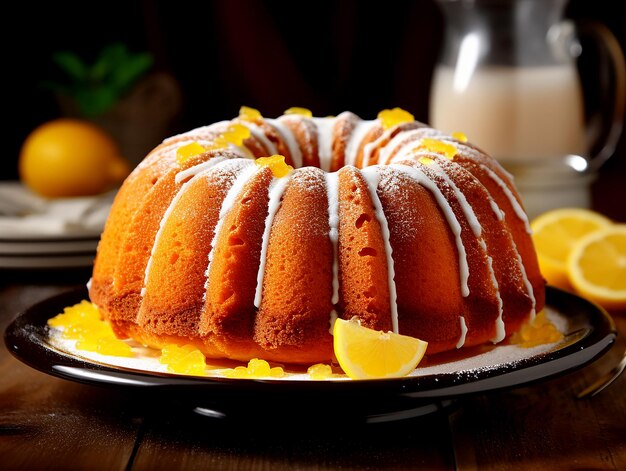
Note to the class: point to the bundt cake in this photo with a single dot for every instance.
(406, 228)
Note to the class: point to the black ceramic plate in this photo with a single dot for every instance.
(590, 334)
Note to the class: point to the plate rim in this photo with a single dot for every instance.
(20, 334)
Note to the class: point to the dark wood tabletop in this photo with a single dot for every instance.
(52, 423)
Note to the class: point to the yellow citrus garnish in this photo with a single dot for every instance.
(366, 353)
(105, 346)
(301, 111)
(438, 147)
(539, 331)
(277, 165)
(235, 134)
(555, 233)
(597, 266)
(425, 160)
(459, 136)
(320, 371)
(186, 359)
(393, 117)
(82, 322)
(256, 369)
(249, 114)
(184, 153)
(69, 157)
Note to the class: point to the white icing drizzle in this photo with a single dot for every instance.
(369, 148)
(496, 209)
(465, 206)
(196, 169)
(358, 134)
(249, 169)
(259, 135)
(372, 177)
(276, 190)
(206, 166)
(461, 341)
(290, 140)
(477, 230)
(529, 287)
(420, 177)
(519, 211)
(500, 331)
(403, 140)
(325, 141)
(241, 151)
(410, 148)
(168, 152)
(333, 318)
(332, 192)
(201, 132)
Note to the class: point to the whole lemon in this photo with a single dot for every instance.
(70, 157)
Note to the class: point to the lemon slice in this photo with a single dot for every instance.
(555, 233)
(366, 353)
(597, 266)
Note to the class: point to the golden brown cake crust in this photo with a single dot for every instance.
(216, 251)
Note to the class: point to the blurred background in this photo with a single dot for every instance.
(209, 58)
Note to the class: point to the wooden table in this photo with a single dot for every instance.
(51, 423)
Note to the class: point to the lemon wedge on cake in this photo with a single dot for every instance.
(367, 354)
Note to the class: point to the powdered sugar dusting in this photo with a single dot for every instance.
(325, 141)
(332, 192)
(519, 211)
(422, 178)
(287, 136)
(275, 190)
(372, 177)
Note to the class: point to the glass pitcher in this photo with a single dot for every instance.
(507, 78)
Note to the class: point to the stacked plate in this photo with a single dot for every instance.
(48, 252)
(49, 233)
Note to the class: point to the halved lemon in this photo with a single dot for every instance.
(366, 353)
(597, 266)
(555, 233)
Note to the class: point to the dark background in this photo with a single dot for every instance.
(328, 56)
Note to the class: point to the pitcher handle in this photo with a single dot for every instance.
(606, 40)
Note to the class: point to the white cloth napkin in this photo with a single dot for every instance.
(26, 215)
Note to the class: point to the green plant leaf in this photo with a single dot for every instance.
(71, 64)
(108, 61)
(126, 75)
(96, 101)
(97, 88)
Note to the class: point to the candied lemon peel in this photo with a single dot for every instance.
(186, 152)
(276, 164)
(459, 136)
(365, 353)
(438, 147)
(256, 368)
(394, 117)
(235, 134)
(250, 114)
(320, 371)
(82, 322)
(299, 111)
(185, 359)
(538, 331)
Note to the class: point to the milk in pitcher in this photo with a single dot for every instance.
(515, 114)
